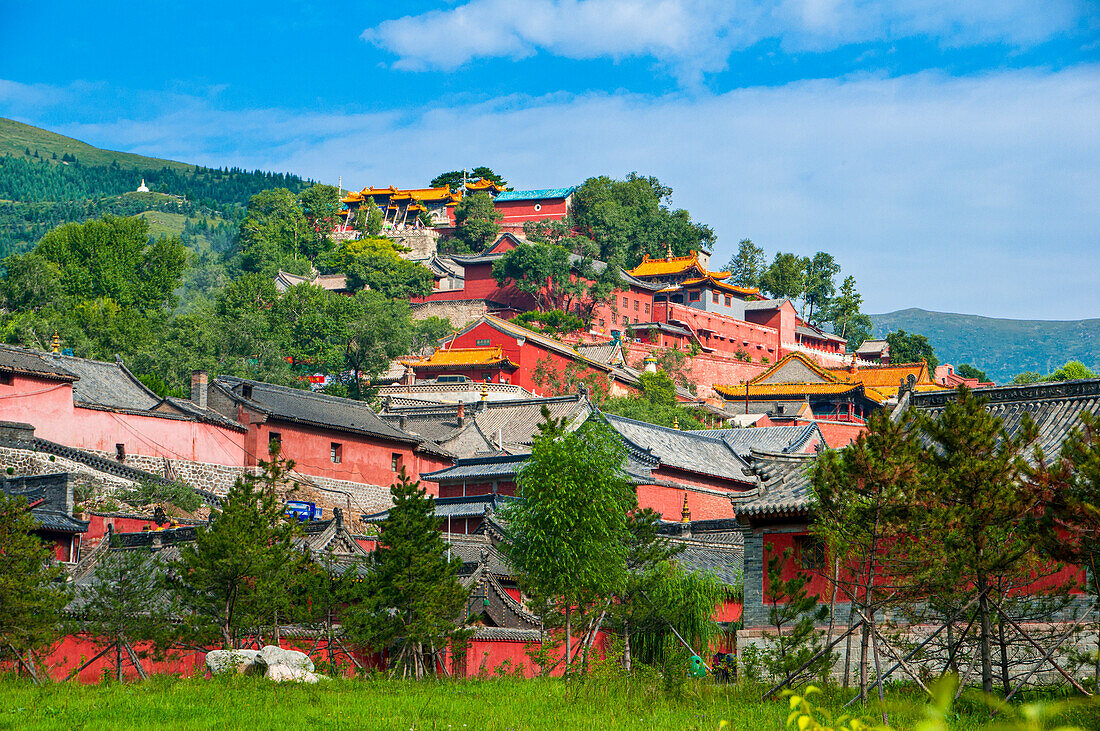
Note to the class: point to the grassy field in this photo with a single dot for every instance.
(239, 702)
(16, 138)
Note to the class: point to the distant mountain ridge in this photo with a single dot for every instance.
(1001, 347)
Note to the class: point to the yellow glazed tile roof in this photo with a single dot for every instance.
(784, 389)
(712, 280)
(892, 375)
(464, 356)
(809, 362)
(675, 265)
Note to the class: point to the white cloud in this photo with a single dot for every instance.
(692, 37)
(969, 195)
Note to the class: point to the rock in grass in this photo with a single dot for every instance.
(281, 673)
(227, 661)
(272, 656)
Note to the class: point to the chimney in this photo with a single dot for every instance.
(461, 413)
(402, 422)
(198, 388)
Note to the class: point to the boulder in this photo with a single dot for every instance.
(272, 656)
(281, 673)
(225, 661)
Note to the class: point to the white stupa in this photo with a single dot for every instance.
(143, 188)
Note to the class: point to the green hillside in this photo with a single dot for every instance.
(1000, 347)
(47, 179)
(17, 139)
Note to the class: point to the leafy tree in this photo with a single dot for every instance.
(369, 218)
(32, 588)
(859, 493)
(911, 348)
(1023, 379)
(376, 331)
(569, 533)
(148, 492)
(321, 207)
(844, 312)
(113, 258)
(785, 276)
(124, 604)
(412, 596)
(477, 221)
(968, 371)
(30, 282)
(975, 509)
(429, 331)
(236, 573)
(746, 267)
(375, 262)
(554, 322)
(276, 235)
(630, 218)
(454, 178)
(820, 286)
(1072, 371)
(795, 614)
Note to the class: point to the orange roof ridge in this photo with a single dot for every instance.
(810, 363)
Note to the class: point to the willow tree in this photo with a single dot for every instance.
(568, 534)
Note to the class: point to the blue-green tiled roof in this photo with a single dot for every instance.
(525, 195)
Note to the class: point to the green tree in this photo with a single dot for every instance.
(785, 276)
(544, 272)
(236, 573)
(375, 262)
(411, 596)
(820, 286)
(477, 221)
(860, 492)
(321, 208)
(453, 179)
(30, 282)
(1072, 371)
(276, 235)
(968, 371)
(124, 604)
(975, 508)
(746, 267)
(568, 533)
(369, 218)
(327, 587)
(846, 316)
(630, 218)
(32, 587)
(911, 348)
(795, 614)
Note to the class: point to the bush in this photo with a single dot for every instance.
(147, 492)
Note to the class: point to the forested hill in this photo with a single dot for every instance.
(1000, 347)
(47, 179)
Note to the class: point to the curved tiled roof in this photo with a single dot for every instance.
(110, 385)
(685, 450)
(787, 389)
(32, 362)
(450, 357)
(674, 265)
(781, 439)
(542, 193)
(784, 487)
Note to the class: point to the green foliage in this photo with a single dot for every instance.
(236, 573)
(793, 612)
(321, 208)
(429, 331)
(968, 371)
(124, 604)
(453, 179)
(747, 265)
(369, 219)
(557, 381)
(374, 262)
(148, 492)
(552, 322)
(820, 286)
(553, 279)
(785, 276)
(911, 348)
(568, 535)
(477, 221)
(411, 597)
(846, 316)
(630, 218)
(276, 235)
(32, 587)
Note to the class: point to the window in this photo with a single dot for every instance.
(811, 552)
(487, 377)
(625, 302)
(694, 296)
(635, 305)
(728, 301)
(626, 320)
(277, 440)
(336, 452)
(395, 461)
(246, 390)
(714, 297)
(538, 207)
(120, 452)
(5, 379)
(602, 323)
(482, 342)
(647, 308)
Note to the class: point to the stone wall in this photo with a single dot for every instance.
(423, 242)
(27, 461)
(703, 370)
(460, 312)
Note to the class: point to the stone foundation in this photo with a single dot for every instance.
(460, 313)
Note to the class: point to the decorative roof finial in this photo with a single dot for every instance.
(669, 251)
(56, 346)
(685, 514)
(675, 422)
(485, 392)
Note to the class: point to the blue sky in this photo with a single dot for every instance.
(946, 151)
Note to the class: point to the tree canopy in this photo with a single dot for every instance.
(477, 222)
(911, 348)
(453, 179)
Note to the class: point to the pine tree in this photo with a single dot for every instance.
(32, 589)
(237, 572)
(411, 597)
(795, 614)
(124, 604)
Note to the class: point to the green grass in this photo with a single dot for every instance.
(239, 702)
(16, 138)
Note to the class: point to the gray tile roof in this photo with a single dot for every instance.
(815, 333)
(1055, 407)
(764, 304)
(784, 487)
(499, 467)
(609, 353)
(685, 450)
(507, 634)
(783, 439)
(456, 507)
(32, 362)
(725, 562)
(332, 412)
(108, 385)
